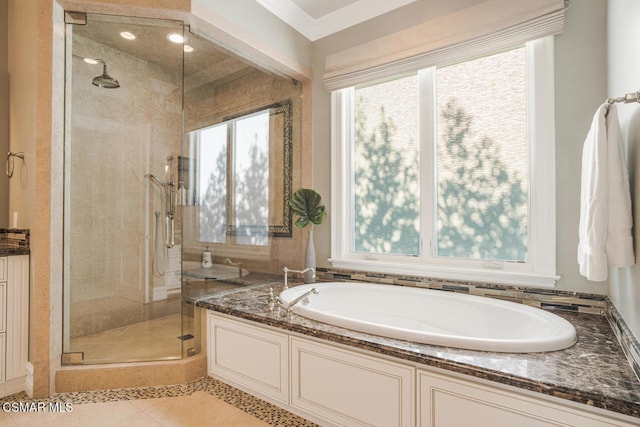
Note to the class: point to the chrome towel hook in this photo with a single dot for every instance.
(9, 166)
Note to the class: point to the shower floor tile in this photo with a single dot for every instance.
(155, 339)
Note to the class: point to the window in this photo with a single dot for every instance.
(212, 182)
(449, 171)
(243, 143)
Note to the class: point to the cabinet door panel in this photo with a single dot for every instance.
(349, 388)
(3, 269)
(17, 316)
(252, 357)
(3, 349)
(453, 402)
(3, 307)
(453, 410)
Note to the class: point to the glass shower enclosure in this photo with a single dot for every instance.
(174, 147)
(122, 226)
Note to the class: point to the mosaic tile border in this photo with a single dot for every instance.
(542, 298)
(252, 405)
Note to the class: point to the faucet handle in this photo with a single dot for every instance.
(272, 299)
(286, 271)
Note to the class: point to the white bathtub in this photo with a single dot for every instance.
(434, 317)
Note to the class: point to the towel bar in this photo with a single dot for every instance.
(627, 98)
(9, 165)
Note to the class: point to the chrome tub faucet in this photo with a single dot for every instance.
(288, 307)
(288, 270)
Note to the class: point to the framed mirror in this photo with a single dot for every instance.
(243, 176)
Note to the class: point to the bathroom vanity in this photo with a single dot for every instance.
(335, 376)
(14, 310)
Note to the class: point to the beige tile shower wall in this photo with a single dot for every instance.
(117, 136)
(245, 91)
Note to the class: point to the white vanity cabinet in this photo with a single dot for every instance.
(14, 323)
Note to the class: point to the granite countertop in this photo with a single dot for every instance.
(10, 251)
(14, 241)
(594, 371)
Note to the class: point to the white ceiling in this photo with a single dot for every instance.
(319, 18)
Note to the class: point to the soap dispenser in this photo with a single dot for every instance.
(206, 258)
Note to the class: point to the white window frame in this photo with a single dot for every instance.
(539, 270)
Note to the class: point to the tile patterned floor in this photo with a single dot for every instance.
(206, 402)
(149, 340)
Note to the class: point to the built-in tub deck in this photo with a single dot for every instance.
(594, 371)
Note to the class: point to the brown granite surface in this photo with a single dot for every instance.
(14, 241)
(13, 251)
(594, 371)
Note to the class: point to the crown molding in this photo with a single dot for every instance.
(338, 20)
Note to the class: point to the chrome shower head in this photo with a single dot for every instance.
(104, 80)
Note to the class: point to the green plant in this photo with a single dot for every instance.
(306, 204)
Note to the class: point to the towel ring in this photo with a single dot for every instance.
(9, 166)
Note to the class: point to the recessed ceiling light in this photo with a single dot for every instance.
(127, 35)
(188, 48)
(90, 61)
(176, 38)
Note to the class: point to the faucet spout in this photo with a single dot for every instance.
(288, 270)
(288, 307)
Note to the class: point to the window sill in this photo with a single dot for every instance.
(486, 275)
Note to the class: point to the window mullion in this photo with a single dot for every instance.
(542, 155)
(427, 127)
(348, 102)
(231, 180)
(342, 171)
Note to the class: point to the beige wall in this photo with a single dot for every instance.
(4, 112)
(23, 65)
(623, 77)
(30, 52)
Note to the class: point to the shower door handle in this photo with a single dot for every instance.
(170, 231)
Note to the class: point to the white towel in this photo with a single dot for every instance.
(605, 201)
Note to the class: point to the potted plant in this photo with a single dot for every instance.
(306, 204)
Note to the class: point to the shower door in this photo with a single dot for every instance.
(123, 135)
